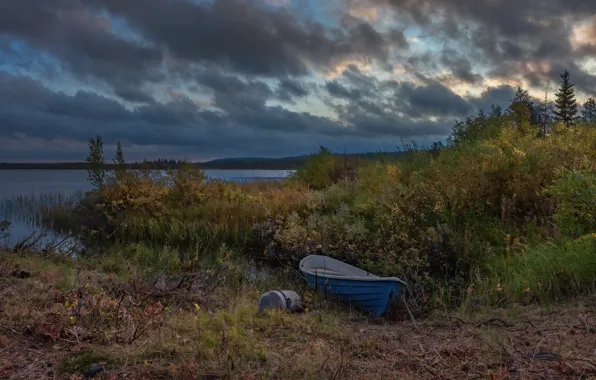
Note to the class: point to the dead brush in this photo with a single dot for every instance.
(96, 317)
(124, 313)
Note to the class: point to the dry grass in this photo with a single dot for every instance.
(206, 326)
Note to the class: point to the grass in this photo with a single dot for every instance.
(86, 325)
(547, 273)
(39, 209)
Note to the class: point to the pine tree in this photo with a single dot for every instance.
(589, 112)
(119, 161)
(96, 172)
(522, 108)
(565, 103)
(119, 157)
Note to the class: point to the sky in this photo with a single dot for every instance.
(202, 79)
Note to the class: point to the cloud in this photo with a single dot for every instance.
(84, 43)
(288, 90)
(433, 98)
(508, 37)
(245, 37)
(211, 78)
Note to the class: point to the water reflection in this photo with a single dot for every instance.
(27, 222)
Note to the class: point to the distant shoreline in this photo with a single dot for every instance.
(5, 166)
(201, 168)
(246, 163)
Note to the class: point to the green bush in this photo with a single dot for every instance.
(435, 219)
(317, 173)
(575, 193)
(324, 169)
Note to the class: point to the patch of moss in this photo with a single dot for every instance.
(85, 362)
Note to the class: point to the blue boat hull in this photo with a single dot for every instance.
(373, 297)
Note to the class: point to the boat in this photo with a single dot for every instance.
(361, 289)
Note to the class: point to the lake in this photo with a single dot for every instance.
(49, 184)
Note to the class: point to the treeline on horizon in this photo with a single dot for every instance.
(241, 163)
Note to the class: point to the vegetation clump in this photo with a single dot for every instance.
(505, 183)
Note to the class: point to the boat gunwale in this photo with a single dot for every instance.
(370, 278)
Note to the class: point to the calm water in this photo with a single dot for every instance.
(48, 184)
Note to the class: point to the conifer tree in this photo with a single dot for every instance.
(565, 103)
(119, 157)
(119, 161)
(522, 108)
(589, 112)
(96, 171)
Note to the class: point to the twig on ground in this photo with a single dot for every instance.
(491, 320)
(458, 319)
(528, 320)
(410, 313)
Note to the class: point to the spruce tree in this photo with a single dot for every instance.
(589, 112)
(119, 157)
(96, 171)
(119, 161)
(565, 103)
(522, 108)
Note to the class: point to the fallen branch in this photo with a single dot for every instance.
(528, 320)
(500, 320)
(458, 319)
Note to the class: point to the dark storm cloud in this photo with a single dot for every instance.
(237, 36)
(432, 98)
(247, 38)
(232, 94)
(179, 128)
(204, 76)
(30, 110)
(83, 42)
(334, 88)
(500, 34)
(460, 66)
(288, 89)
(395, 108)
(498, 96)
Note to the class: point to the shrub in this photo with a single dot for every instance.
(324, 169)
(181, 209)
(575, 193)
(434, 219)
